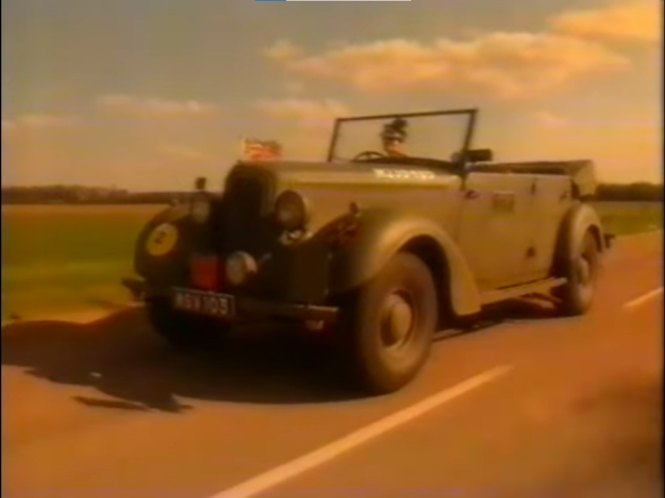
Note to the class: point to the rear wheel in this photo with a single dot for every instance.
(387, 326)
(182, 330)
(581, 269)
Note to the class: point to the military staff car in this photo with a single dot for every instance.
(402, 231)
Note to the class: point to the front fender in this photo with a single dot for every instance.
(381, 235)
(166, 267)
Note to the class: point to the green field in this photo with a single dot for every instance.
(57, 259)
(65, 258)
(623, 218)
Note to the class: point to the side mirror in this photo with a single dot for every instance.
(479, 155)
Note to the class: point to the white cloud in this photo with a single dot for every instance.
(303, 111)
(39, 122)
(550, 120)
(283, 50)
(508, 65)
(295, 87)
(304, 125)
(637, 21)
(184, 153)
(153, 108)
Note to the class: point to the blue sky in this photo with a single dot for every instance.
(150, 93)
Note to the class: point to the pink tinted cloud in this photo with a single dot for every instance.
(632, 21)
(153, 108)
(303, 111)
(507, 65)
(39, 122)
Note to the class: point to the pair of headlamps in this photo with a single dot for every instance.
(291, 211)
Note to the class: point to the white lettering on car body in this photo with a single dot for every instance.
(404, 174)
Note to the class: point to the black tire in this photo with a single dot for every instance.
(581, 269)
(182, 330)
(386, 328)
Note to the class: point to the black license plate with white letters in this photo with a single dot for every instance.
(204, 303)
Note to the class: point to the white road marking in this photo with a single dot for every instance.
(288, 470)
(643, 298)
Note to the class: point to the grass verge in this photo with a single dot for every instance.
(60, 259)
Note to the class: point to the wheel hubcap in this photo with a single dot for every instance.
(397, 321)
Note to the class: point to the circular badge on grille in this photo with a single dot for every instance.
(162, 239)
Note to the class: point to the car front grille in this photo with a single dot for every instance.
(244, 199)
(246, 224)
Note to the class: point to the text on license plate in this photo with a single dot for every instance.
(206, 303)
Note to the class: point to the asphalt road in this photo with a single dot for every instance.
(526, 405)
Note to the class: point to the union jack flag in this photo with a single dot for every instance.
(261, 150)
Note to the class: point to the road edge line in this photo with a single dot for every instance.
(643, 298)
(299, 465)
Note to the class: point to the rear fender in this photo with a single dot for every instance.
(381, 235)
(580, 219)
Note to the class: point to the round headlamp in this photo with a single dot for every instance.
(291, 210)
(200, 208)
(240, 266)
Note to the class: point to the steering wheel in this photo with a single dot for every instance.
(368, 155)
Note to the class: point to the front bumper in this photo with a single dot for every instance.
(247, 308)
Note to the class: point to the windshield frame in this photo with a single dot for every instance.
(466, 145)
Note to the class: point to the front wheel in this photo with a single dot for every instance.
(182, 330)
(581, 271)
(386, 328)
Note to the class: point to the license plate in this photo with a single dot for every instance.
(204, 303)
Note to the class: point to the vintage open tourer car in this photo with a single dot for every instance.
(402, 231)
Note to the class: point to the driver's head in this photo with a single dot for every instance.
(392, 146)
(393, 136)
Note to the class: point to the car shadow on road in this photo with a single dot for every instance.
(512, 311)
(132, 368)
(122, 358)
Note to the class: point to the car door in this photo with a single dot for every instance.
(494, 226)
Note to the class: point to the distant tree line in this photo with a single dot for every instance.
(630, 192)
(72, 194)
(67, 194)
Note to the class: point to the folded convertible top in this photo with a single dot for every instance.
(581, 171)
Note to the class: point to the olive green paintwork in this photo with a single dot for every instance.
(579, 219)
(393, 212)
(483, 242)
(580, 172)
(383, 233)
(483, 229)
(480, 228)
(329, 189)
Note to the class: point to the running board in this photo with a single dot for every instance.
(496, 295)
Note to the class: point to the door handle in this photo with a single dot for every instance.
(472, 194)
